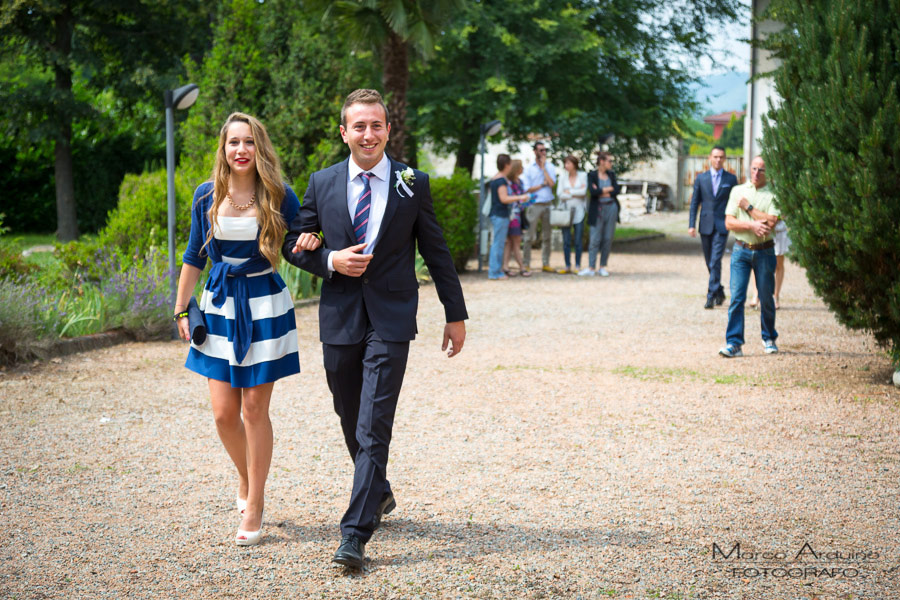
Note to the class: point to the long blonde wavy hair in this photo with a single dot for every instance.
(269, 188)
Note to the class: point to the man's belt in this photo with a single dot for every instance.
(763, 246)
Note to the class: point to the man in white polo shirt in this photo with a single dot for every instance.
(752, 214)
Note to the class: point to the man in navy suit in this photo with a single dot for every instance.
(711, 190)
(373, 212)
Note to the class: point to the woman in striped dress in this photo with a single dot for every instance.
(238, 222)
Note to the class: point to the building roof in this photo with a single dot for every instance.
(724, 117)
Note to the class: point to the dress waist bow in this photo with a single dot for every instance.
(225, 278)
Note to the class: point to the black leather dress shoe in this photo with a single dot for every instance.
(351, 552)
(720, 297)
(709, 303)
(386, 505)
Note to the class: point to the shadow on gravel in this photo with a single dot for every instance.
(790, 308)
(671, 246)
(327, 534)
(458, 540)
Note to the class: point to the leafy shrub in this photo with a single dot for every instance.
(27, 321)
(12, 265)
(457, 213)
(832, 148)
(136, 298)
(138, 224)
(300, 283)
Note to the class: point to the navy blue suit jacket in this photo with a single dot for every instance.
(712, 211)
(387, 294)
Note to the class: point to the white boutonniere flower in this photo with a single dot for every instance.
(405, 179)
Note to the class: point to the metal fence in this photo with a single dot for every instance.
(692, 166)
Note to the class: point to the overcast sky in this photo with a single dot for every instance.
(733, 55)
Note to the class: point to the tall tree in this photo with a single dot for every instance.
(569, 70)
(132, 47)
(281, 63)
(832, 149)
(391, 28)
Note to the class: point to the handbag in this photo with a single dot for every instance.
(561, 216)
(196, 322)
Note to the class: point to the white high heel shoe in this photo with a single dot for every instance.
(249, 538)
(241, 505)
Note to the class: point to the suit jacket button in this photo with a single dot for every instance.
(366, 280)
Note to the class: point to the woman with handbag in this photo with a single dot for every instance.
(499, 214)
(238, 222)
(603, 213)
(571, 190)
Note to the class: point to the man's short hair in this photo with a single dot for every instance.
(717, 148)
(502, 161)
(536, 144)
(363, 96)
(602, 155)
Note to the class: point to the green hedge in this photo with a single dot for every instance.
(832, 149)
(457, 212)
(138, 224)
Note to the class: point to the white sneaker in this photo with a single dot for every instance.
(585, 273)
(731, 351)
(770, 346)
(603, 272)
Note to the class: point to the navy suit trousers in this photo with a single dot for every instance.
(713, 250)
(365, 381)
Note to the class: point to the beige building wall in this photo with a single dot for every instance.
(761, 91)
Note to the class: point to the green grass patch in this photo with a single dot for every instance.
(672, 374)
(625, 233)
(27, 240)
(542, 369)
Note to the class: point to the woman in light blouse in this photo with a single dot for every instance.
(571, 188)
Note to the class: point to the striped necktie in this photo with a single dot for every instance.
(362, 210)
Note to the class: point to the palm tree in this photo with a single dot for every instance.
(391, 29)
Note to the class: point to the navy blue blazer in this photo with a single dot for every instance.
(712, 211)
(387, 294)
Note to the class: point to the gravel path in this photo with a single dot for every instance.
(587, 443)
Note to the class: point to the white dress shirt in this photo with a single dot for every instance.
(379, 184)
(534, 175)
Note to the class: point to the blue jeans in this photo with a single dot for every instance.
(495, 256)
(762, 264)
(567, 243)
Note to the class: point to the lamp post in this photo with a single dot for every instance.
(487, 130)
(181, 98)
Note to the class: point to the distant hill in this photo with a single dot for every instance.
(725, 91)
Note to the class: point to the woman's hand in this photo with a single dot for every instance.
(184, 329)
(307, 241)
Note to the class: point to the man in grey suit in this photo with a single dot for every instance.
(373, 212)
(711, 190)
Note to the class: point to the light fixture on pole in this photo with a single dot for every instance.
(181, 98)
(487, 130)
